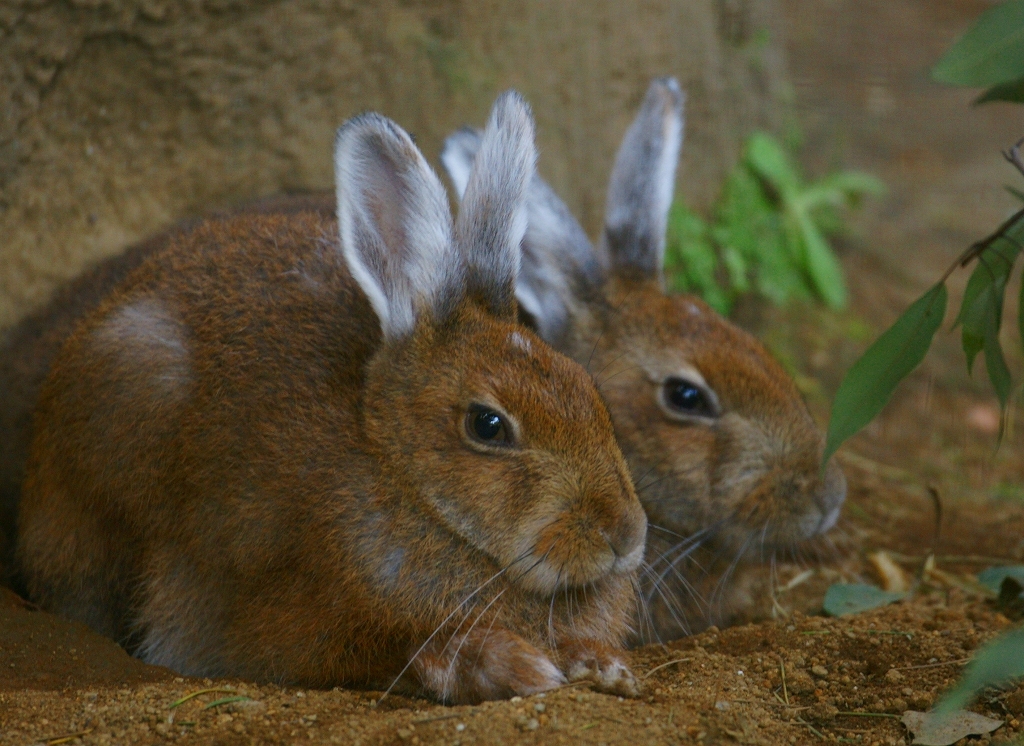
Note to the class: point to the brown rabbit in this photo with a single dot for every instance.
(319, 452)
(722, 448)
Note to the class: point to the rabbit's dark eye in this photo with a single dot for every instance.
(685, 397)
(487, 426)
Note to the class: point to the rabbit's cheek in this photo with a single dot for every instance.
(675, 490)
(775, 491)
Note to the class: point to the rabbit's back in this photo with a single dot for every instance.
(28, 349)
(193, 419)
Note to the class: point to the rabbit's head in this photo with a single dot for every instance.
(718, 438)
(505, 441)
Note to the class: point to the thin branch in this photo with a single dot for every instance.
(977, 248)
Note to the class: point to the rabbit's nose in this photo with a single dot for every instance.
(626, 538)
(833, 491)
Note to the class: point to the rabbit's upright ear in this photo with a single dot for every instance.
(559, 264)
(492, 219)
(640, 190)
(395, 226)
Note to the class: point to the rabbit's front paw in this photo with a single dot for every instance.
(488, 664)
(606, 667)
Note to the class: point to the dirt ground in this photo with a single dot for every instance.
(791, 675)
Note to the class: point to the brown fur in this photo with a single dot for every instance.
(27, 350)
(233, 474)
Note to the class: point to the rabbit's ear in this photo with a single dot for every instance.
(394, 223)
(457, 155)
(558, 261)
(640, 191)
(492, 219)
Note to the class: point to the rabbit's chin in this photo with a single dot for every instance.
(546, 578)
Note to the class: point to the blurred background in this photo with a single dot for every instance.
(119, 117)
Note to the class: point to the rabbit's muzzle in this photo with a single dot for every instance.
(584, 543)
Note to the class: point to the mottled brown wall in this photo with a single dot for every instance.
(120, 116)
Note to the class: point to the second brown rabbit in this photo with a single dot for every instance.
(322, 452)
(722, 448)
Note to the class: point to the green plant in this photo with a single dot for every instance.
(999, 662)
(769, 232)
(991, 53)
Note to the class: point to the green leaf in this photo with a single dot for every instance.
(993, 577)
(1012, 92)
(871, 380)
(768, 160)
(990, 53)
(995, 362)
(1020, 315)
(853, 598)
(972, 345)
(1015, 192)
(822, 266)
(736, 266)
(981, 311)
(691, 264)
(853, 183)
(999, 662)
(840, 189)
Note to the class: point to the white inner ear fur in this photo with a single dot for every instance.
(665, 178)
(394, 222)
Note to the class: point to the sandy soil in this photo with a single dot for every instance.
(794, 676)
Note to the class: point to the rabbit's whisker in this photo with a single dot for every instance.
(487, 634)
(643, 613)
(718, 595)
(683, 548)
(612, 362)
(764, 535)
(613, 309)
(447, 619)
(551, 611)
(662, 478)
(599, 384)
(660, 586)
(654, 467)
(680, 579)
(667, 598)
(455, 655)
(665, 530)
